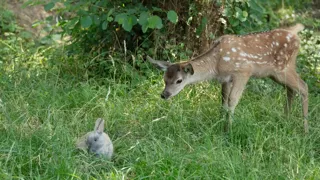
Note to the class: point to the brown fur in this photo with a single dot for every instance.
(234, 59)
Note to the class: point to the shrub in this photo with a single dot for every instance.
(309, 56)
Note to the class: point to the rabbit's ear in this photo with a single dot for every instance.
(99, 125)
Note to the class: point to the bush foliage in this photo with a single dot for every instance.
(106, 37)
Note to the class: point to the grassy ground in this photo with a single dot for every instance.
(42, 115)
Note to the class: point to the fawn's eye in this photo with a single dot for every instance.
(179, 81)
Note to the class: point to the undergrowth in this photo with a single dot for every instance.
(50, 96)
(43, 113)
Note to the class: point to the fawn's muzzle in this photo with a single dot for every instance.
(165, 95)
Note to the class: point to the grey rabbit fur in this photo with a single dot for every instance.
(97, 141)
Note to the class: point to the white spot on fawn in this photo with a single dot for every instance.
(289, 36)
(243, 54)
(285, 45)
(226, 58)
(233, 49)
(253, 56)
(263, 62)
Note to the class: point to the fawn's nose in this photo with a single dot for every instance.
(165, 95)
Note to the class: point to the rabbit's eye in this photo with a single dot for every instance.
(95, 139)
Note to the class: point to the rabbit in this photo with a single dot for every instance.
(97, 141)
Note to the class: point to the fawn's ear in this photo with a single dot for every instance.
(163, 65)
(188, 69)
(99, 125)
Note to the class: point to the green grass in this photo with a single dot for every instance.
(41, 117)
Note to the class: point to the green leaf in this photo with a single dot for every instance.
(131, 11)
(245, 14)
(238, 13)
(86, 21)
(96, 19)
(242, 19)
(82, 12)
(70, 24)
(144, 28)
(227, 12)
(133, 19)
(143, 18)
(49, 6)
(110, 12)
(238, 10)
(256, 19)
(156, 9)
(254, 5)
(234, 22)
(110, 19)
(155, 22)
(25, 35)
(129, 23)
(202, 26)
(36, 24)
(120, 18)
(27, 3)
(172, 16)
(104, 25)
